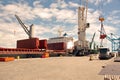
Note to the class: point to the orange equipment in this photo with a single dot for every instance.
(45, 55)
(6, 59)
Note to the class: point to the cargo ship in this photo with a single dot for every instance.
(61, 44)
(34, 47)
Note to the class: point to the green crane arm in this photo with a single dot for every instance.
(92, 40)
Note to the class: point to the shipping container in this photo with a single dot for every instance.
(32, 43)
(57, 46)
(43, 44)
(61, 43)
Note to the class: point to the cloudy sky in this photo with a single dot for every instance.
(48, 16)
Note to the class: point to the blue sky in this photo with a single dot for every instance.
(50, 15)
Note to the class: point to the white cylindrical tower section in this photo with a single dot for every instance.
(31, 31)
(81, 26)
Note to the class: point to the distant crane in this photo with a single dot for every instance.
(102, 31)
(104, 52)
(28, 32)
(93, 46)
(101, 19)
(115, 41)
(92, 41)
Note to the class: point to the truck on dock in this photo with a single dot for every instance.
(104, 53)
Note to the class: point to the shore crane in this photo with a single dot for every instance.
(82, 24)
(115, 42)
(27, 31)
(81, 45)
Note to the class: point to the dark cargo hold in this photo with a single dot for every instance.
(56, 46)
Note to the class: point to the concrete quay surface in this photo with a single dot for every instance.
(53, 68)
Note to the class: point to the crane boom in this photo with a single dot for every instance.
(28, 32)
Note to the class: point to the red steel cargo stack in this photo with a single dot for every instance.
(32, 43)
(43, 44)
(56, 46)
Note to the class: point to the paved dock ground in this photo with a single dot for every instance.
(111, 69)
(53, 68)
(117, 59)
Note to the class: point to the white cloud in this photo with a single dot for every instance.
(73, 4)
(10, 33)
(19, 9)
(62, 4)
(44, 13)
(100, 2)
(37, 4)
(113, 17)
(65, 14)
(39, 29)
(53, 5)
(55, 29)
(115, 12)
(108, 1)
(96, 2)
(93, 17)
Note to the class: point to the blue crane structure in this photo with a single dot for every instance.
(115, 42)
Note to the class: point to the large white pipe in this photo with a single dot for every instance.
(31, 31)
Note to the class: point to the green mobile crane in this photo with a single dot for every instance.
(93, 46)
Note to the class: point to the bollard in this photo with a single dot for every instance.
(18, 57)
(91, 58)
(45, 55)
(61, 55)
